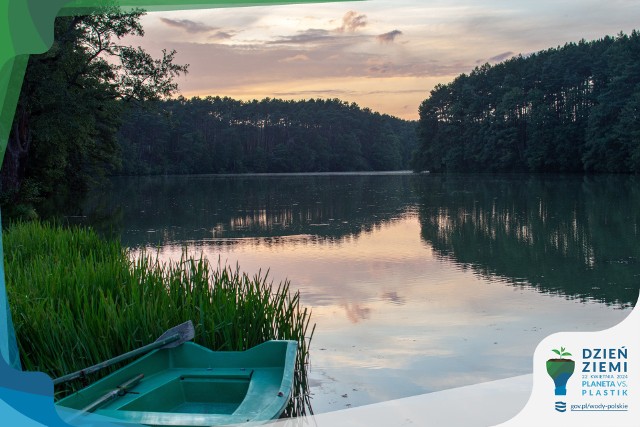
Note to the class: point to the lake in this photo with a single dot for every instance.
(417, 283)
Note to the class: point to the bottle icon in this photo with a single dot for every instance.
(560, 370)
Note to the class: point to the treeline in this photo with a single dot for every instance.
(223, 135)
(570, 109)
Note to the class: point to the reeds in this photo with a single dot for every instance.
(78, 299)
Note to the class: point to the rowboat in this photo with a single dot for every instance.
(190, 385)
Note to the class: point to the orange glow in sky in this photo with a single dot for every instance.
(385, 55)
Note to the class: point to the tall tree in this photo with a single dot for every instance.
(63, 134)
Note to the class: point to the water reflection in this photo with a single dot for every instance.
(570, 235)
(393, 297)
(561, 234)
(356, 313)
(416, 283)
(164, 210)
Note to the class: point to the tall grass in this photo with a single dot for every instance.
(78, 299)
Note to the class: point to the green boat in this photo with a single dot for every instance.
(190, 385)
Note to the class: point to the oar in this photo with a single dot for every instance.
(121, 390)
(171, 338)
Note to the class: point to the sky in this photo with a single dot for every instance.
(385, 55)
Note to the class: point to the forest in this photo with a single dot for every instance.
(224, 135)
(93, 107)
(573, 108)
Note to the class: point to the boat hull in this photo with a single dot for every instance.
(190, 385)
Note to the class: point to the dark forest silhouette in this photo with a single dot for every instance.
(569, 109)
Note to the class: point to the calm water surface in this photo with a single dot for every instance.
(417, 283)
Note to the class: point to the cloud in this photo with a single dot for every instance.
(501, 57)
(398, 91)
(221, 35)
(378, 67)
(187, 25)
(351, 21)
(342, 93)
(312, 35)
(317, 93)
(388, 37)
(296, 58)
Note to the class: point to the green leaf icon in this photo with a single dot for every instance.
(561, 352)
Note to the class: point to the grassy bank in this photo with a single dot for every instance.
(78, 299)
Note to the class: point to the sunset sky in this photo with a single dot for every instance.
(383, 54)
